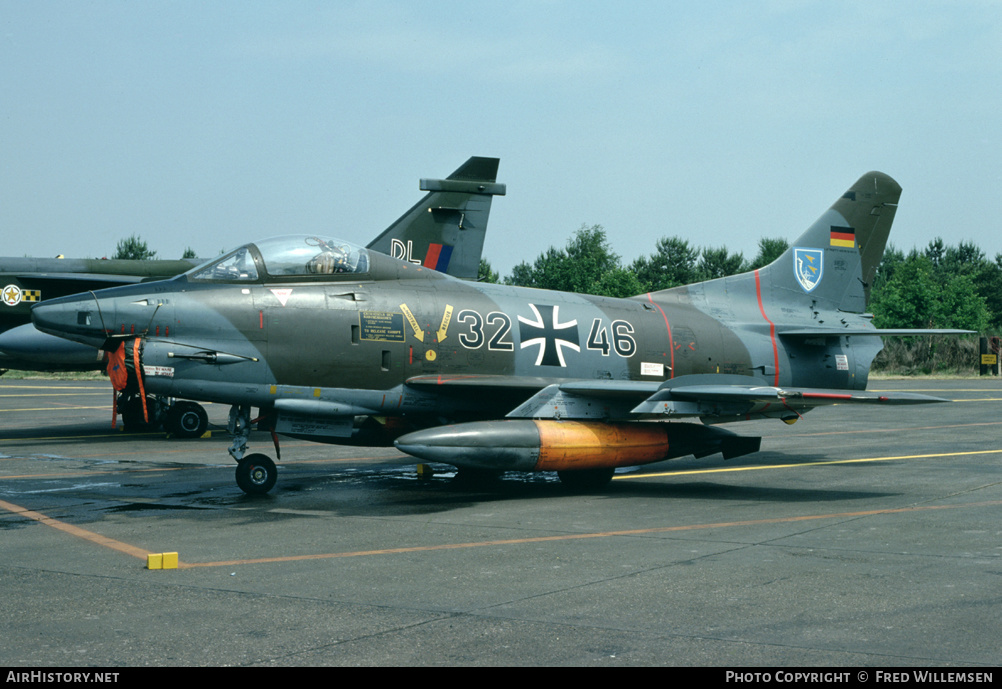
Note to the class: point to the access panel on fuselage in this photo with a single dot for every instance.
(332, 336)
(821, 362)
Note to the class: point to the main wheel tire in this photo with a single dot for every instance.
(586, 479)
(256, 474)
(187, 420)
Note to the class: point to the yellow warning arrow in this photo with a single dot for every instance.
(446, 319)
(418, 333)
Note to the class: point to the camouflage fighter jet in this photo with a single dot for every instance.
(336, 343)
(445, 230)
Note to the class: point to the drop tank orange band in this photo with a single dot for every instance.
(580, 445)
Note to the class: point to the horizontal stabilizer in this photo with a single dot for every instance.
(887, 332)
(806, 397)
(463, 186)
(714, 402)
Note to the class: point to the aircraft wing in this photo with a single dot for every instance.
(715, 398)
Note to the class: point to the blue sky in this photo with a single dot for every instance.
(209, 124)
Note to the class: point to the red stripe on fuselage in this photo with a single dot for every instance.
(671, 344)
(772, 327)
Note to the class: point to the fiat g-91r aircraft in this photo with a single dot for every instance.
(336, 343)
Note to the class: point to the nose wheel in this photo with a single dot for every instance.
(256, 474)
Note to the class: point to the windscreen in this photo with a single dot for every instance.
(285, 257)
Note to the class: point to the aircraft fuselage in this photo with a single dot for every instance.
(355, 343)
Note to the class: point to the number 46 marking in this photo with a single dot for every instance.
(622, 338)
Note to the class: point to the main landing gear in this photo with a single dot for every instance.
(186, 420)
(256, 473)
(180, 418)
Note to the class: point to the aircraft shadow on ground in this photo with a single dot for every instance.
(396, 491)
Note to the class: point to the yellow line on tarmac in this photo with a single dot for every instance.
(54, 387)
(75, 530)
(14, 411)
(70, 437)
(573, 537)
(82, 474)
(59, 394)
(133, 469)
(141, 554)
(807, 464)
(859, 431)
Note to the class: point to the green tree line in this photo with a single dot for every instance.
(133, 248)
(941, 286)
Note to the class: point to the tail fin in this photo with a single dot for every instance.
(835, 260)
(445, 230)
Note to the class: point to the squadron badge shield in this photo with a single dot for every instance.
(808, 265)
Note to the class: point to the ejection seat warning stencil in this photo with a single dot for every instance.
(381, 326)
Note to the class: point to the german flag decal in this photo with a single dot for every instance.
(844, 236)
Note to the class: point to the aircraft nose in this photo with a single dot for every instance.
(76, 318)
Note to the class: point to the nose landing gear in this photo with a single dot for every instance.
(256, 473)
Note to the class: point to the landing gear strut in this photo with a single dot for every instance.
(256, 473)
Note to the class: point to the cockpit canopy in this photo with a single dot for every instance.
(284, 258)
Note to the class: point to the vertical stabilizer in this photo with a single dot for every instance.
(834, 262)
(445, 230)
